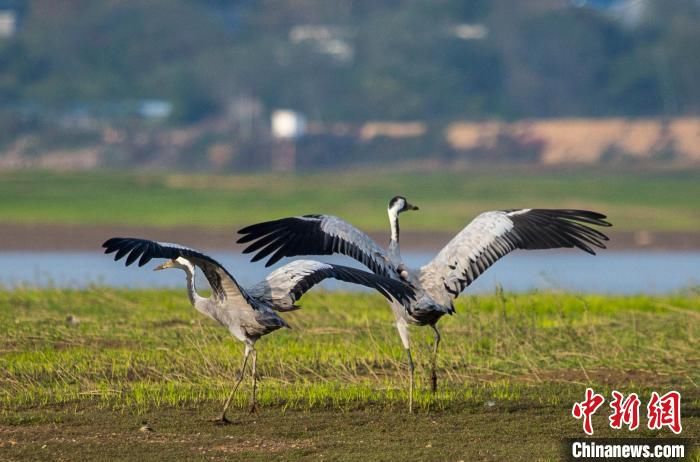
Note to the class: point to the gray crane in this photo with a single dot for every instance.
(489, 237)
(249, 313)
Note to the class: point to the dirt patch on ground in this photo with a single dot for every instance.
(496, 433)
(55, 237)
(609, 377)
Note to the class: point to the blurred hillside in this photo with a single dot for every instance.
(194, 83)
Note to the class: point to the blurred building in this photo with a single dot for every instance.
(328, 40)
(469, 31)
(287, 126)
(8, 23)
(630, 12)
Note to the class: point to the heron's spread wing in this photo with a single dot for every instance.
(492, 235)
(220, 280)
(314, 235)
(287, 284)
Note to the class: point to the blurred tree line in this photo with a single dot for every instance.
(385, 59)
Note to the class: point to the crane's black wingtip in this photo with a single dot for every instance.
(248, 236)
(245, 240)
(244, 237)
(600, 219)
(258, 227)
(110, 242)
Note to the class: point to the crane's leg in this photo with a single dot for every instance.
(253, 405)
(402, 327)
(433, 365)
(222, 418)
(410, 383)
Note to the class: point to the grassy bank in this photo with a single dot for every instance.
(80, 371)
(634, 200)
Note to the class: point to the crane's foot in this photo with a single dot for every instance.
(222, 420)
(253, 408)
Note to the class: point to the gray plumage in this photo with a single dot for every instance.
(314, 235)
(284, 286)
(493, 235)
(489, 237)
(250, 313)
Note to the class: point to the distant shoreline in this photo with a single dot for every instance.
(58, 237)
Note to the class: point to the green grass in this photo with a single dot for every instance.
(510, 366)
(634, 200)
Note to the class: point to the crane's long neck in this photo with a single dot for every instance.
(394, 250)
(205, 305)
(197, 300)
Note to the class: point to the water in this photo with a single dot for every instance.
(610, 272)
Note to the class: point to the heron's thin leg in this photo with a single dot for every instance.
(433, 372)
(410, 383)
(223, 418)
(253, 406)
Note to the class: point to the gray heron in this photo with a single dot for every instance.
(249, 313)
(489, 237)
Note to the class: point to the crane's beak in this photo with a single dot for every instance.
(411, 206)
(166, 265)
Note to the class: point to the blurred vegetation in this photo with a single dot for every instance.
(540, 58)
(658, 201)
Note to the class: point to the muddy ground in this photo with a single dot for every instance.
(487, 434)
